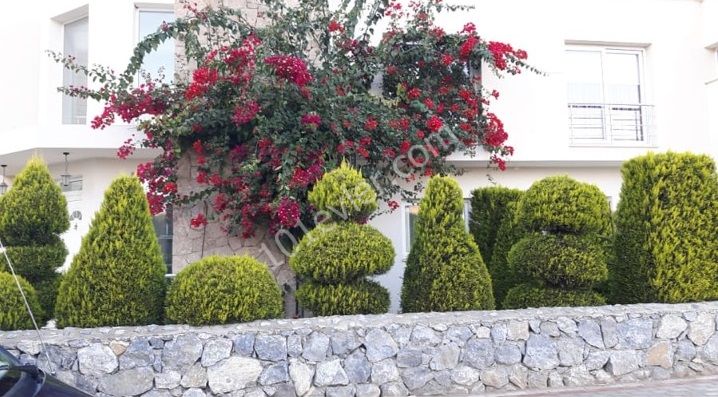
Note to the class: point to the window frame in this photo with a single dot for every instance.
(84, 14)
(406, 221)
(644, 102)
(150, 7)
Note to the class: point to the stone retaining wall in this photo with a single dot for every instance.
(388, 355)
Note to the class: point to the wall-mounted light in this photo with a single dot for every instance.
(65, 178)
(3, 184)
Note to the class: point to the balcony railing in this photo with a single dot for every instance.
(610, 123)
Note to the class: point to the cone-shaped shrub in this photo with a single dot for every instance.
(489, 207)
(117, 278)
(565, 252)
(34, 215)
(342, 252)
(444, 270)
(334, 258)
(666, 245)
(363, 296)
(503, 276)
(344, 195)
(221, 290)
(13, 314)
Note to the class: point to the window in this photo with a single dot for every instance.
(162, 60)
(74, 109)
(606, 96)
(411, 212)
(163, 230)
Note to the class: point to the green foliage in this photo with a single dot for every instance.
(34, 209)
(565, 260)
(47, 295)
(37, 263)
(489, 207)
(444, 270)
(560, 204)
(117, 278)
(221, 290)
(343, 194)
(534, 295)
(14, 315)
(337, 253)
(503, 276)
(666, 245)
(363, 296)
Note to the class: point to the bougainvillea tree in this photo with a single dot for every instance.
(269, 107)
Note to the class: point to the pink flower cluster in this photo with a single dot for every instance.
(290, 68)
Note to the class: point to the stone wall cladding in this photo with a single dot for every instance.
(387, 355)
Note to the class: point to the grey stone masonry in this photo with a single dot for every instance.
(386, 355)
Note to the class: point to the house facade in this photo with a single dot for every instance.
(621, 77)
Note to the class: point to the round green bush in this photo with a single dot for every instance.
(563, 260)
(118, 276)
(360, 297)
(342, 252)
(13, 314)
(221, 290)
(533, 295)
(560, 204)
(343, 195)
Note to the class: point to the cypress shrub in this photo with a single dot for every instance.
(503, 276)
(666, 245)
(363, 296)
(444, 270)
(221, 290)
(334, 258)
(14, 314)
(117, 278)
(34, 215)
(564, 253)
(489, 207)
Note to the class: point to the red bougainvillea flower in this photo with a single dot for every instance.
(311, 119)
(469, 28)
(393, 205)
(498, 52)
(370, 124)
(202, 79)
(197, 146)
(405, 146)
(244, 113)
(434, 123)
(290, 68)
(198, 221)
(447, 59)
(467, 47)
(335, 26)
(288, 212)
(413, 93)
(170, 188)
(363, 152)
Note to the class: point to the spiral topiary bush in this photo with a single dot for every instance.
(344, 195)
(363, 296)
(13, 314)
(336, 253)
(221, 290)
(559, 204)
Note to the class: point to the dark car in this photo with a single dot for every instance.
(18, 380)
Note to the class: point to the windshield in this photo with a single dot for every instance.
(8, 378)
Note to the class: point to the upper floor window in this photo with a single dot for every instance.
(74, 109)
(606, 96)
(162, 60)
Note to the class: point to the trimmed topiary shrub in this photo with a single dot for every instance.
(14, 314)
(666, 245)
(344, 195)
(221, 290)
(117, 278)
(559, 204)
(363, 296)
(489, 207)
(335, 253)
(533, 295)
(503, 276)
(444, 270)
(564, 253)
(563, 260)
(34, 215)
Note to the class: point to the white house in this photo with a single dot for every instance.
(622, 77)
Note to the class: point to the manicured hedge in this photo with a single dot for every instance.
(363, 296)
(13, 314)
(344, 195)
(536, 295)
(666, 245)
(444, 270)
(489, 207)
(336, 253)
(503, 276)
(222, 290)
(117, 277)
(559, 204)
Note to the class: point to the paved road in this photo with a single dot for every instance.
(702, 387)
